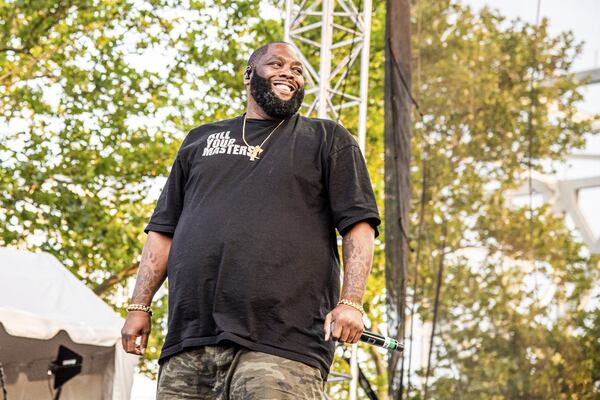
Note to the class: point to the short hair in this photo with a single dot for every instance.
(258, 53)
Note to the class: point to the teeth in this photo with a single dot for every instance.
(283, 88)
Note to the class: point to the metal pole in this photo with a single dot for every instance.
(354, 372)
(288, 21)
(325, 57)
(364, 77)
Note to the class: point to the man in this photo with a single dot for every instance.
(245, 231)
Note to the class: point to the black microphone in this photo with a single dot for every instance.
(382, 341)
(378, 340)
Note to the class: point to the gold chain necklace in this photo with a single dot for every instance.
(254, 151)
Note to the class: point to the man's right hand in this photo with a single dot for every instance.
(151, 274)
(138, 324)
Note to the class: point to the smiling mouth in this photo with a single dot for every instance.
(284, 88)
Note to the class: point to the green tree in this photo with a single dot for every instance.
(497, 97)
(85, 131)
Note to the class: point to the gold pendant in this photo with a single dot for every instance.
(253, 154)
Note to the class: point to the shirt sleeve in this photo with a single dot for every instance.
(350, 192)
(170, 203)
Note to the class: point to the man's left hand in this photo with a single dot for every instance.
(348, 325)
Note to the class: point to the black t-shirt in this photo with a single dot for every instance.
(254, 256)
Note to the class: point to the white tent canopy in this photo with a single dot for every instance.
(43, 305)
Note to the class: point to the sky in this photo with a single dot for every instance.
(579, 16)
(582, 18)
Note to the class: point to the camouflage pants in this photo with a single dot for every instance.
(236, 373)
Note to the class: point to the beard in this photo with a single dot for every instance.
(262, 92)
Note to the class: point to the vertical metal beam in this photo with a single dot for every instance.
(354, 372)
(287, 21)
(325, 56)
(364, 77)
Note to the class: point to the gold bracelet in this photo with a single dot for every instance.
(352, 304)
(140, 307)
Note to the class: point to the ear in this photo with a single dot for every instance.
(247, 73)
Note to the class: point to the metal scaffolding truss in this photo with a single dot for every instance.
(563, 195)
(330, 36)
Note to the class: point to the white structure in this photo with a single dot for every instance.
(563, 194)
(591, 76)
(302, 20)
(42, 306)
(332, 17)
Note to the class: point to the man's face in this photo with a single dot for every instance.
(277, 82)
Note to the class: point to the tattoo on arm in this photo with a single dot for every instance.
(151, 274)
(357, 254)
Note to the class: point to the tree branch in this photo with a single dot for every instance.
(14, 50)
(116, 278)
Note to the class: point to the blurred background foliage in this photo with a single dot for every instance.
(90, 125)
